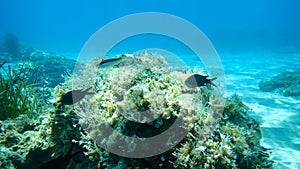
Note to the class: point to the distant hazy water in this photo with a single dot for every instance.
(280, 115)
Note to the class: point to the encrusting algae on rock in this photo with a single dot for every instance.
(142, 97)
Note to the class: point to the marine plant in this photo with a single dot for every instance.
(19, 94)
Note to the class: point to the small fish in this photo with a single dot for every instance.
(111, 61)
(197, 80)
(61, 162)
(75, 96)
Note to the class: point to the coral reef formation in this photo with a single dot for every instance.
(287, 84)
(138, 98)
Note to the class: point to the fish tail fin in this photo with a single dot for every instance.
(211, 81)
(213, 84)
(86, 91)
(89, 93)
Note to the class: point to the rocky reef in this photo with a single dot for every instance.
(287, 84)
(136, 99)
(52, 67)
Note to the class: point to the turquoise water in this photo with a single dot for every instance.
(254, 40)
(279, 114)
(230, 25)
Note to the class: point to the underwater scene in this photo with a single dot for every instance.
(150, 84)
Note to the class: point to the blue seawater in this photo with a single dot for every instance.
(254, 39)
